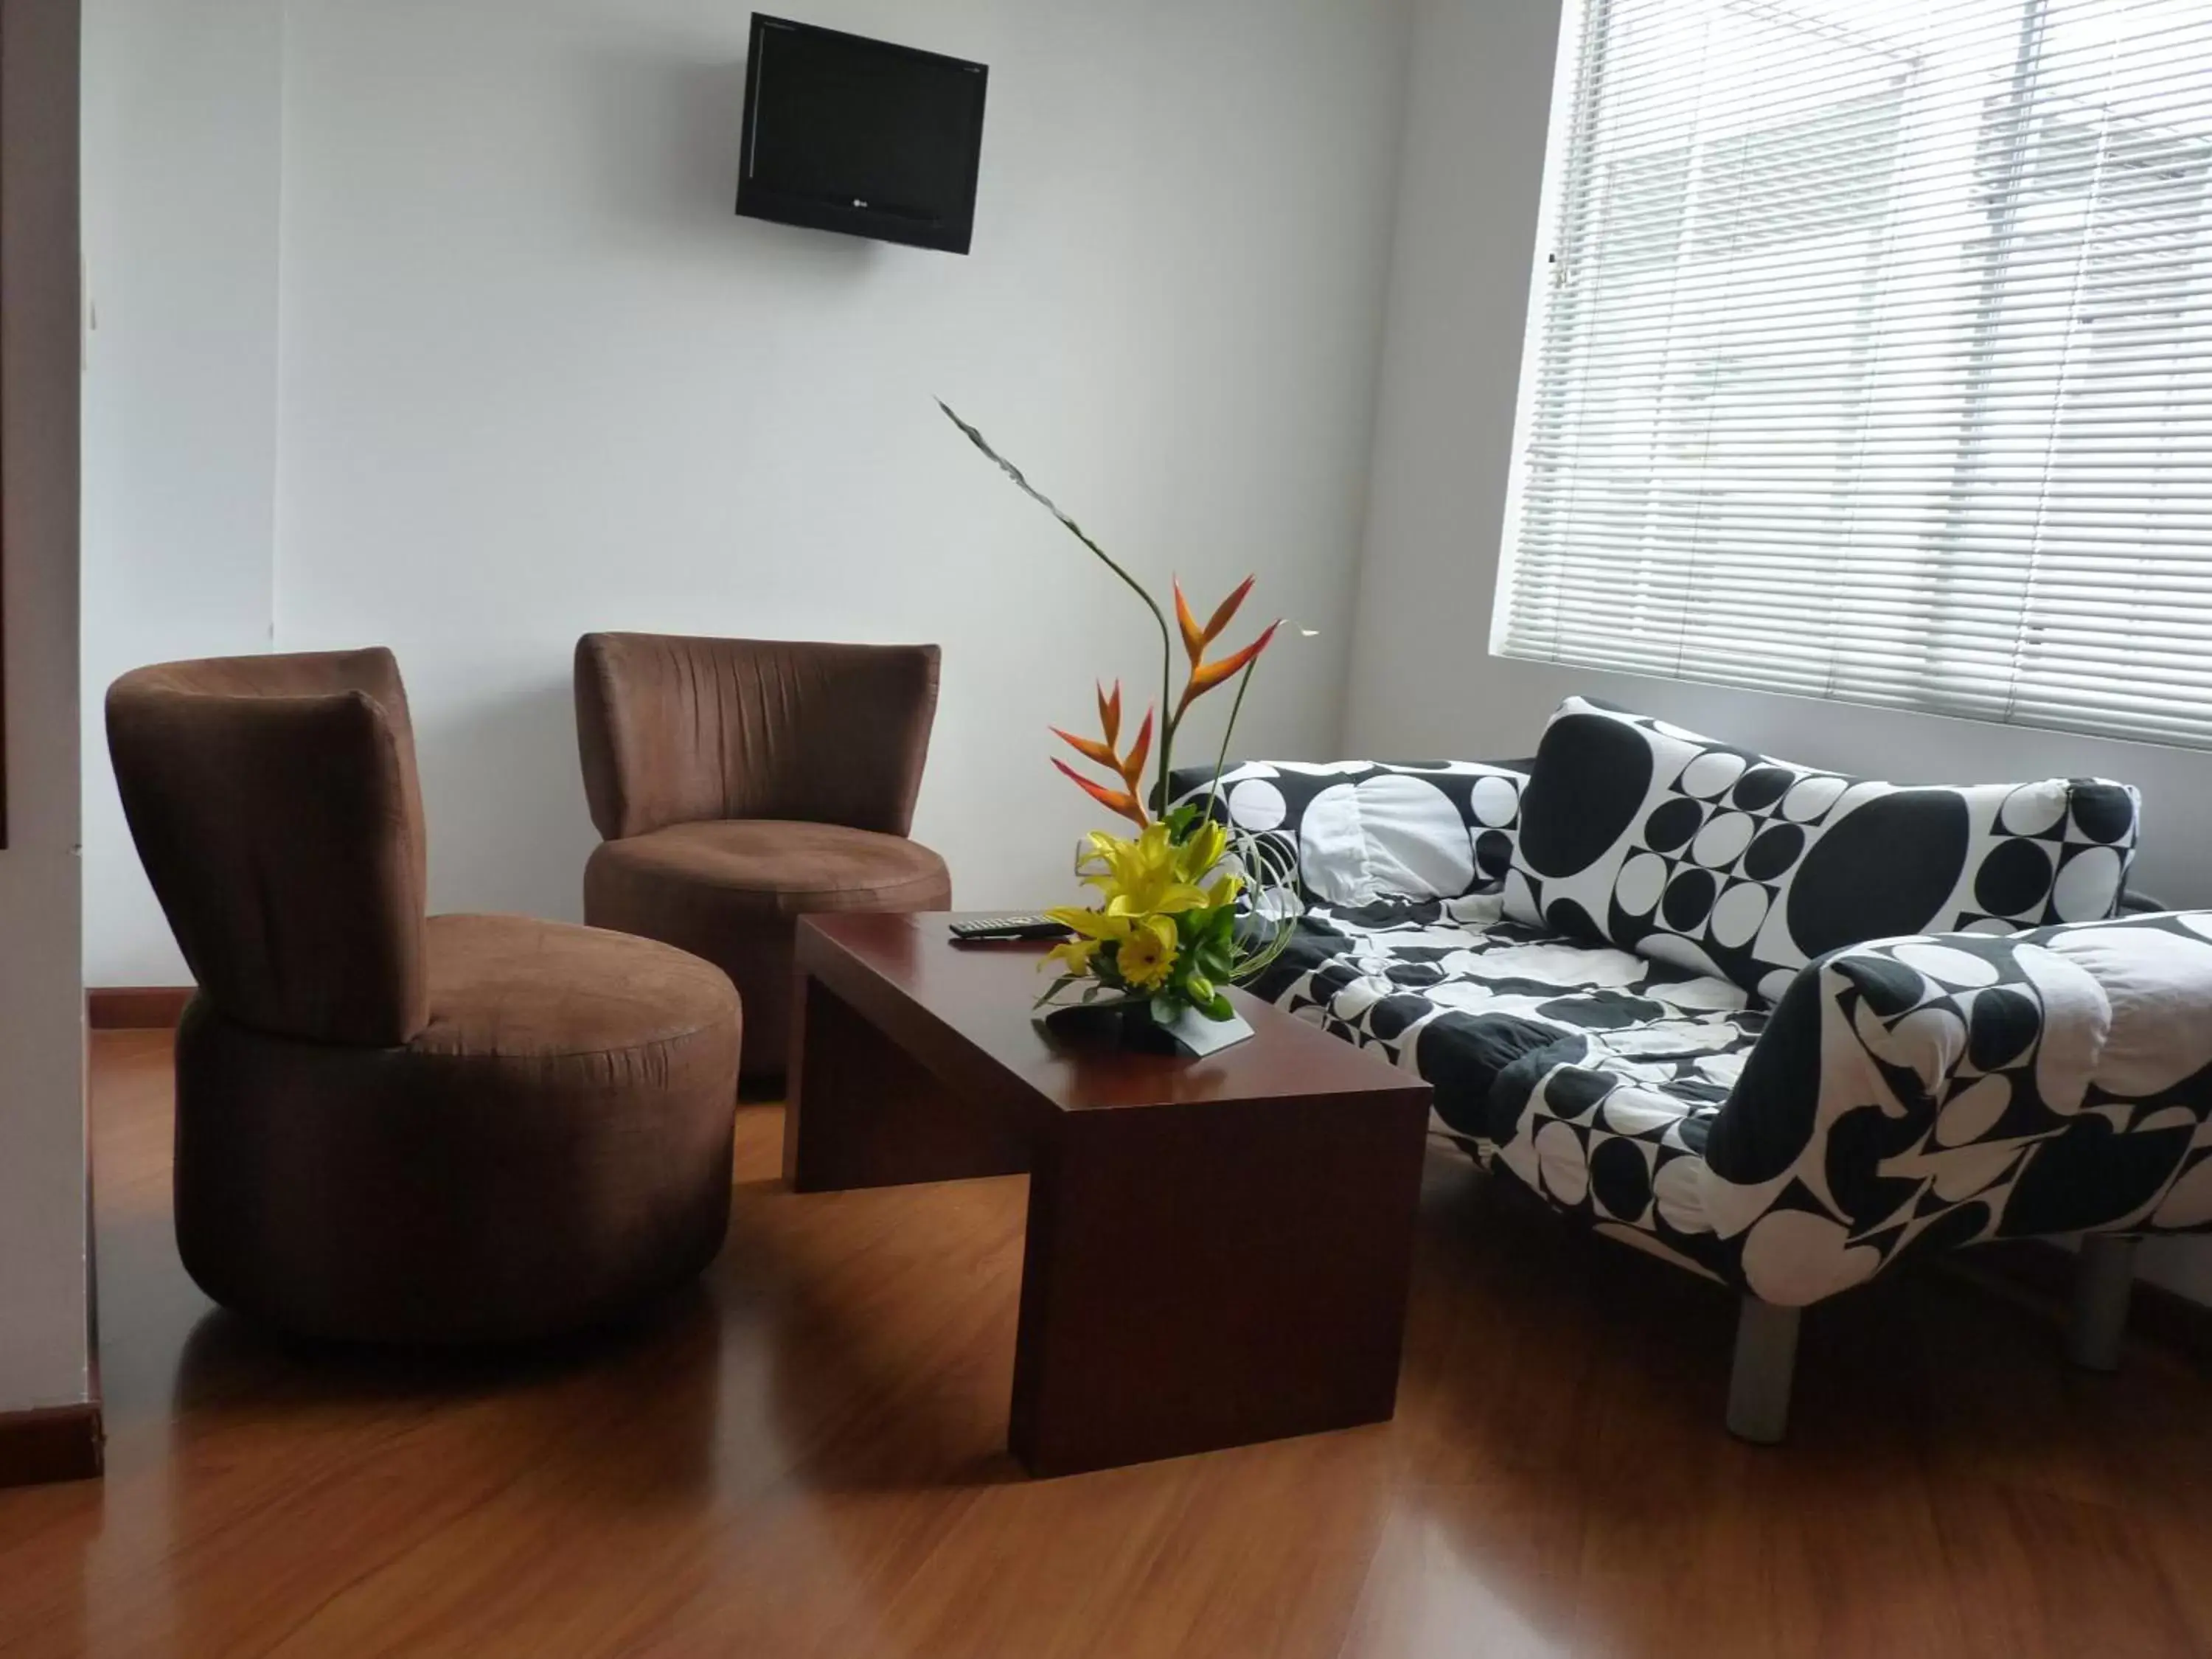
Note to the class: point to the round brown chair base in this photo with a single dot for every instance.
(550, 1149)
(732, 890)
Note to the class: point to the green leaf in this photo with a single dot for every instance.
(1058, 986)
(1180, 820)
(1218, 1009)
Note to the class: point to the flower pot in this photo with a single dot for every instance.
(1131, 1025)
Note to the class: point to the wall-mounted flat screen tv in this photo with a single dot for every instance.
(848, 134)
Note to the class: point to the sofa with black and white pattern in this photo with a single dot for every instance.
(1778, 1027)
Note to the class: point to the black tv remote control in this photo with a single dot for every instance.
(979, 930)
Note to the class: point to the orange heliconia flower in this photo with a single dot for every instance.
(1114, 800)
(1204, 675)
(1129, 770)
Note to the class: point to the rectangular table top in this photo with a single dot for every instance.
(961, 1007)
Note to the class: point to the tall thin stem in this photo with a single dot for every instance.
(1243, 682)
(1169, 721)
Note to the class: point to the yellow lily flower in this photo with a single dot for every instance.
(1145, 884)
(1142, 878)
(1145, 945)
(1072, 955)
(1094, 928)
(1196, 857)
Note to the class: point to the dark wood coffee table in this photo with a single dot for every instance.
(1218, 1249)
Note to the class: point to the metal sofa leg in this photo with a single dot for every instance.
(2102, 1282)
(1766, 1361)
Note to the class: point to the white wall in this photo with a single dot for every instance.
(45, 1346)
(537, 379)
(1422, 682)
(181, 150)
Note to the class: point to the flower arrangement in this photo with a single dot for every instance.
(1166, 934)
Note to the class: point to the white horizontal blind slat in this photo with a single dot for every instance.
(1875, 358)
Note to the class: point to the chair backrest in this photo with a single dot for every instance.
(679, 731)
(274, 804)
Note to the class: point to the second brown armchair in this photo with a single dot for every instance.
(741, 784)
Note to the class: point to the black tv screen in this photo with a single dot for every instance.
(859, 135)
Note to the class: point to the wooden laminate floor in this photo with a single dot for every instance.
(803, 1456)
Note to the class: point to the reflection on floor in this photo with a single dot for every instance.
(805, 1456)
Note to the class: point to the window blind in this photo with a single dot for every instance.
(1872, 358)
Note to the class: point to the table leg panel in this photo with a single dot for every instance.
(1213, 1275)
(865, 1113)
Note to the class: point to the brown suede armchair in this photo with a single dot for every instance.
(741, 784)
(390, 1127)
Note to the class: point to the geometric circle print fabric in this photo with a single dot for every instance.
(1908, 1095)
(1641, 834)
(1358, 830)
(1974, 1074)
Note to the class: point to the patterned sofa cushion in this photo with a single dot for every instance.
(1356, 832)
(1909, 1094)
(1448, 988)
(1640, 834)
